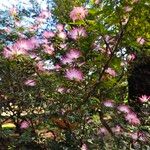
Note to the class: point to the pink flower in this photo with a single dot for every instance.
(103, 131)
(78, 13)
(111, 72)
(131, 57)
(117, 129)
(48, 49)
(73, 54)
(77, 33)
(140, 40)
(34, 42)
(66, 60)
(24, 44)
(30, 82)
(48, 34)
(144, 98)
(12, 51)
(24, 125)
(40, 66)
(138, 136)
(108, 103)
(74, 74)
(134, 135)
(59, 27)
(124, 108)
(132, 118)
(84, 147)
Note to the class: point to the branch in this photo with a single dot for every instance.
(104, 123)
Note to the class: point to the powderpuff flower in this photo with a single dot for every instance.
(77, 33)
(24, 44)
(73, 54)
(48, 34)
(117, 129)
(140, 40)
(78, 13)
(111, 72)
(103, 131)
(66, 60)
(74, 74)
(131, 57)
(48, 49)
(24, 125)
(108, 103)
(84, 147)
(12, 51)
(40, 66)
(132, 118)
(134, 135)
(144, 98)
(124, 108)
(34, 42)
(59, 27)
(138, 136)
(70, 56)
(30, 82)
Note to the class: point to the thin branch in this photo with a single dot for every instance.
(104, 123)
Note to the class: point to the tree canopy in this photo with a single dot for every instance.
(64, 75)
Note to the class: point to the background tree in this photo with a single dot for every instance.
(64, 83)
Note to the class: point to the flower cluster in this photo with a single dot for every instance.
(77, 33)
(21, 47)
(74, 74)
(78, 13)
(70, 56)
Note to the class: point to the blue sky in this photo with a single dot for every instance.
(6, 4)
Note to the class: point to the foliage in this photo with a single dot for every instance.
(63, 79)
